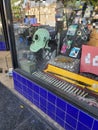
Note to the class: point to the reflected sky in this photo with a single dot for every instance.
(50, 1)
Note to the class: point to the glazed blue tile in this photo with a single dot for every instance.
(71, 121)
(36, 88)
(36, 97)
(68, 127)
(82, 127)
(51, 107)
(61, 104)
(19, 78)
(72, 111)
(25, 89)
(85, 119)
(95, 127)
(43, 102)
(43, 92)
(36, 103)
(15, 82)
(31, 99)
(30, 92)
(30, 84)
(60, 113)
(43, 108)
(18, 84)
(24, 80)
(2, 46)
(59, 121)
(18, 89)
(25, 94)
(52, 115)
(51, 98)
(14, 75)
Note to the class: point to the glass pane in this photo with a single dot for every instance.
(53, 41)
(28, 17)
(2, 41)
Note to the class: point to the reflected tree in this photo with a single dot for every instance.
(17, 9)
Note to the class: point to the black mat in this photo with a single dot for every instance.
(16, 115)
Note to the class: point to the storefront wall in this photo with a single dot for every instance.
(67, 115)
(2, 46)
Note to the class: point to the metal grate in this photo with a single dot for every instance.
(60, 84)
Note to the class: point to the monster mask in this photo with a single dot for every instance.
(40, 40)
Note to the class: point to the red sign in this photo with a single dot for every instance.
(89, 59)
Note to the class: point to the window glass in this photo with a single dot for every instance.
(1, 31)
(54, 40)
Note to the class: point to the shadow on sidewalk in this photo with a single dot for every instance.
(15, 115)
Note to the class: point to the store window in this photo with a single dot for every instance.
(53, 45)
(34, 27)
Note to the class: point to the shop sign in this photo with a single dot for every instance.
(89, 59)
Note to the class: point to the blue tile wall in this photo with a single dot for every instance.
(30, 93)
(95, 126)
(73, 111)
(43, 102)
(86, 119)
(43, 109)
(43, 92)
(71, 121)
(2, 46)
(61, 104)
(51, 98)
(60, 121)
(60, 113)
(52, 115)
(36, 89)
(68, 127)
(51, 107)
(64, 113)
(82, 127)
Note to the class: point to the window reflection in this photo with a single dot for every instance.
(1, 32)
(53, 33)
(28, 17)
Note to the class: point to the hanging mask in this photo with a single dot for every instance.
(40, 40)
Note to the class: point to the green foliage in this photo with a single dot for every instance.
(16, 10)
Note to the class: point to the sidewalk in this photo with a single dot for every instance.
(17, 115)
(8, 82)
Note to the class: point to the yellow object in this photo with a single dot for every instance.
(21, 106)
(93, 89)
(80, 7)
(70, 81)
(72, 77)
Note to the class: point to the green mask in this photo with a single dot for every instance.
(40, 40)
